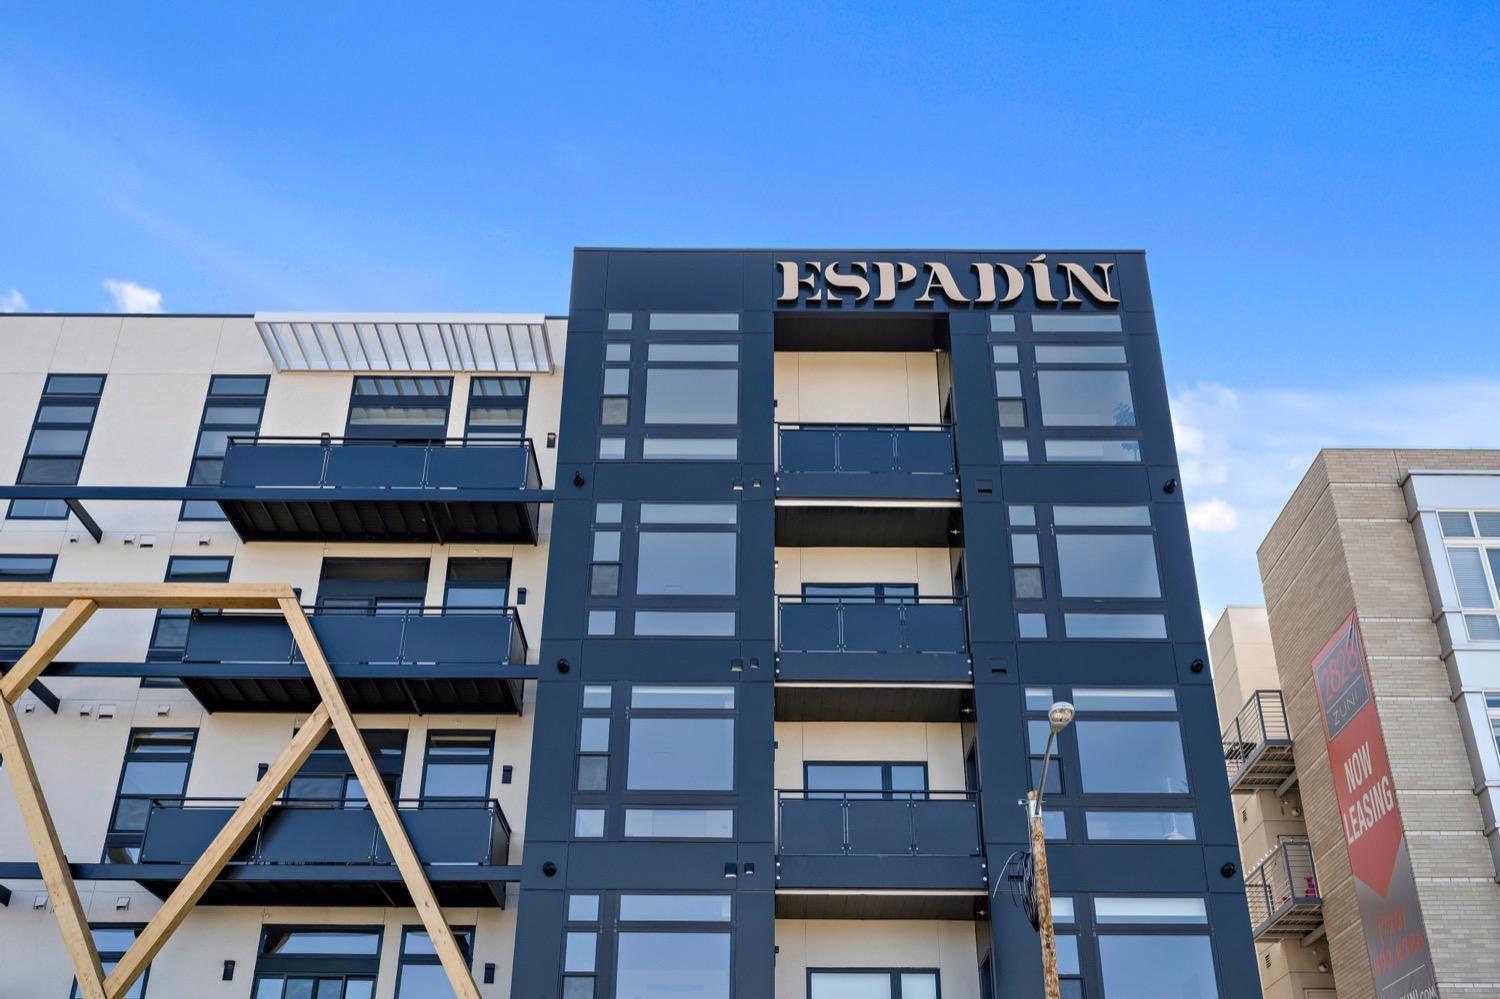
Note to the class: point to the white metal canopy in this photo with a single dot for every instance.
(402, 341)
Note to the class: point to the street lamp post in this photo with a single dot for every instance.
(1059, 717)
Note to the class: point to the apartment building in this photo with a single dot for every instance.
(1281, 884)
(1379, 726)
(820, 536)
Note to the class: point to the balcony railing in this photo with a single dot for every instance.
(293, 833)
(872, 824)
(1282, 891)
(1258, 744)
(416, 637)
(474, 463)
(866, 449)
(862, 625)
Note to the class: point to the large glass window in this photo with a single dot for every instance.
(691, 403)
(1086, 398)
(457, 764)
(111, 943)
(233, 409)
(672, 965)
(169, 634)
(1131, 757)
(497, 407)
(1475, 567)
(692, 396)
(1107, 565)
(477, 584)
(373, 585)
(157, 761)
(317, 963)
(59, 439)
(686, 564)
(420, 974)
(1135, 966)
(1140, 826)
(865, 780)
(679, 823)
(681, 754)
(18, 627)
(883, 984)
(327, 778)
(405, 408)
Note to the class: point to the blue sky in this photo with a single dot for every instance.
(1316, 185)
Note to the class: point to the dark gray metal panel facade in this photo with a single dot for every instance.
(748, 283)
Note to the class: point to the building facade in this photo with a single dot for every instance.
(1380, 579)
(1281, 884)
(820, 536)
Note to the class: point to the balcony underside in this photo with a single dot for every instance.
(821, 903)
(875, 524)
(435, 518)
(872, 701)
(286, 687)
(1294, 920)
(1265, 766)
(309, 884)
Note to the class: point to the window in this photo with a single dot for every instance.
(497, 407)
(865, 780)
(1150, 911)
(1475, 567)
(112, 942)
(677, 965)
(694, 321)
(59, 439)
(679, 823)
(1492, 708)
(675, 908)
(859, 593)
(580, 948)
(457, 764)
(1103, 554)
(372, 585)
(1131, 757)
(170, 633)
(477, 584)
(233, 409)
(157, 761)
(1140, 966)
(420, 974)
(614, 400)
(399, 408)
(327, 778)
(1010, 400)
(18, 627)
(593, 751)
(1085, 399)
(883, 984)
(1064, 925)
(680, 739)
(683, 564)
(1092, 451)
(688, 385)
(1107, 565)
(317, 963)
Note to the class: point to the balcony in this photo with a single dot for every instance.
(1258, 746)
(866, 484)
(861, 855)
(327, 853)
(423, 660)
(872, 659)
(346, 489)
(1283, 893)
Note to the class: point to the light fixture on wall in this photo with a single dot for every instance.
(731, 871)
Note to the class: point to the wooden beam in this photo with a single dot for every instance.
(136, 596)
(218, 853)
(45, 649)
(63, 894)
(384, 810)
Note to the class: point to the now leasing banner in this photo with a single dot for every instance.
(1383, 881)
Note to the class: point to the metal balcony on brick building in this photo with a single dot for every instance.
(1282, 891)
(862, 854)
(1258, 745)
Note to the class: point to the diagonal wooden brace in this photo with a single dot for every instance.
(45, 649)
(379, 800)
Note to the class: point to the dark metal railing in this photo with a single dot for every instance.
(391, 463)
(933, 624)
(470, 831)
(1284, 881)
(395, 636)
(863, 823)
(1260, 722)
(866, 448)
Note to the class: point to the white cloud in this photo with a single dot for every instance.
(13, 301)
(1245, 449)
(132, 297)
(1212, 516)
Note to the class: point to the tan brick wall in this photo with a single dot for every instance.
(1343, 543)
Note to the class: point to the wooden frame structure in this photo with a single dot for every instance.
(79, 601)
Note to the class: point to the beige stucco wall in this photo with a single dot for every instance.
(928, 944)
(857, 387)
(938, 744)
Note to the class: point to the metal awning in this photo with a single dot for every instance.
(337, 341)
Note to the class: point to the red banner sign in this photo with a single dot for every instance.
(1384, 884)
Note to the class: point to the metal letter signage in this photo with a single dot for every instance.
(984, 284)
(1384, 885)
